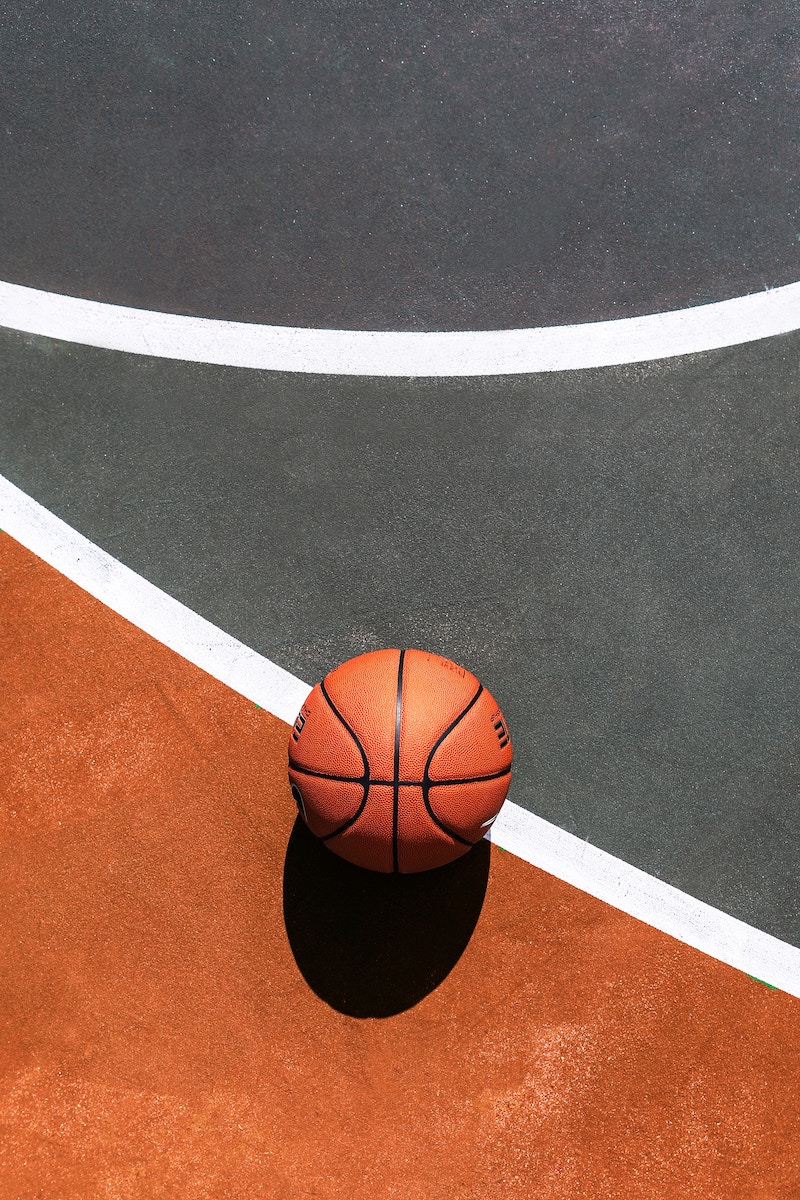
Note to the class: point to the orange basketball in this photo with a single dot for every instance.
(399, 760)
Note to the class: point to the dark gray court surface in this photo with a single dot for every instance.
(407, 165)
(614, 552)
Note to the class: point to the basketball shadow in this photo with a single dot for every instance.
(373, 945)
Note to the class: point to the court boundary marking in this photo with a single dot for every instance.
(527, 836)
(396, 354)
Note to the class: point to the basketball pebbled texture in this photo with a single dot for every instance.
(399, 760)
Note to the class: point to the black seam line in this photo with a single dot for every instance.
(326, 775)
(402, 782)
(444, 828)
(398, 714)
(364, 780)
(426, 779)
(460, 782)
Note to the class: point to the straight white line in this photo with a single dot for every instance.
(146, 606)
(529, 837)
(647, 898)
(345, 352)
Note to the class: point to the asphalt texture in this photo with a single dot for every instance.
(404, 166)
(613, 552)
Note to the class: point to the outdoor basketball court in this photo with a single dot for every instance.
(328, 328)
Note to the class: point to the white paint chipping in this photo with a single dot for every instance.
(516, 830)
(343, 352)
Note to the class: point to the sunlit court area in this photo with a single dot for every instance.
(399, 621)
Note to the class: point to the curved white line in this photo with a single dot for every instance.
(342, 352)
(528, 836)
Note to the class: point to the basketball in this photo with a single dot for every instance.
(399, 760)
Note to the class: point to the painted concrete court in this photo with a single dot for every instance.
(613, 551)
(164, 1040)
(471, 330)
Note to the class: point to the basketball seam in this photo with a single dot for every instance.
(460, 782)
(398, 717)
(426, 779)
(364, 780)
(403, 782)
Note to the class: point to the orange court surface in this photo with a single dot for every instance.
(159, 1038)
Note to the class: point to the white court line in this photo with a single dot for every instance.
(537, 841)
(343, 352)
(147, 607)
